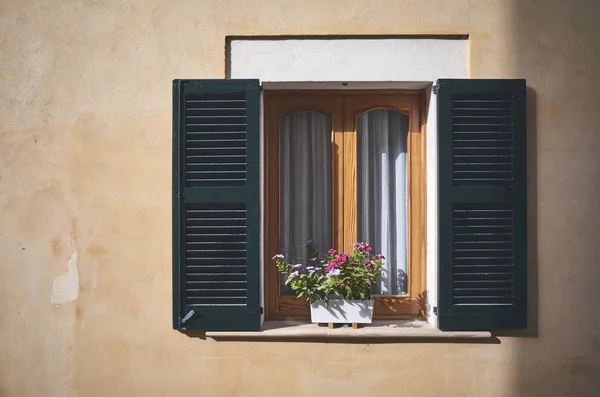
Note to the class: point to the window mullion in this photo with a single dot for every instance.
(338, 161)
(349, 191)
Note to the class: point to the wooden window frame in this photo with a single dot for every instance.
(344, 106)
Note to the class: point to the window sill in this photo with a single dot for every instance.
(382, 331)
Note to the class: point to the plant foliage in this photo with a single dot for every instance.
(346, 275)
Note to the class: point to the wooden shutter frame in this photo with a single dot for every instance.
(223, 318)
(481, 317)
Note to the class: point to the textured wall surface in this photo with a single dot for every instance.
(85, 129)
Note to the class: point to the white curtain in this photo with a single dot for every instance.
(382, 193)
(305, 185)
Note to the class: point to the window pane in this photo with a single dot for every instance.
(382, 193)
(305, 185)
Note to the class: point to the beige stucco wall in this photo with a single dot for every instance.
(85, 129)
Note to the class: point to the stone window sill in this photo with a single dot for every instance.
(382, 331)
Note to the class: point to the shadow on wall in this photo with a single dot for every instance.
(556, 48)
(532, 225)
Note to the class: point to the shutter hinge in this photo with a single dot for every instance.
(188, 316)
(435, 88)
(261, 311)
(435, 310)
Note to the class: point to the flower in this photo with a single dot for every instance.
(363, 247)
(317, 277)
(331, 265)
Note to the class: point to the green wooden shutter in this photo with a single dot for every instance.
(482, 273)
(216, 264)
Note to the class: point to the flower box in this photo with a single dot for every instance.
(342, 311)
(345, 278)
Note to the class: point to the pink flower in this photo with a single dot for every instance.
(347, 282)
(330, 266)
(364, 247)
(331, 252)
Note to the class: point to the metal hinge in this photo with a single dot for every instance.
(188, 316)
(435, 310)
(261, 311)
(435, 88)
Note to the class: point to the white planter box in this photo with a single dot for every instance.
(342, 311)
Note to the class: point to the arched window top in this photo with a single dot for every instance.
(398, 111)
(301, 111)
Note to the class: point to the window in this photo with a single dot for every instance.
(481, 196)
(342, 167)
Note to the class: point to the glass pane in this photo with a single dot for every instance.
(382, 193)
(305, 185)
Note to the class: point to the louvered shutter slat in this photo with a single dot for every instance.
(482, 204)
(216, 208)
(215, 138)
